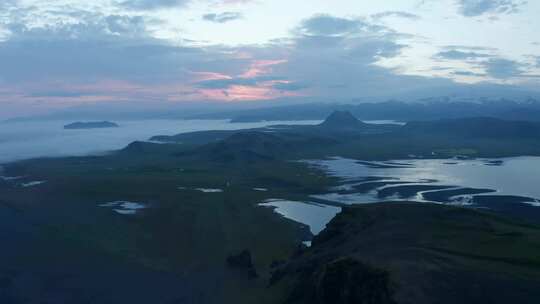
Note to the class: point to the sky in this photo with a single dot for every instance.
(57, 54)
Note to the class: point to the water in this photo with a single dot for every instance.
(508, 186)
(24, 140)
(316, 216)
(209, 190)
(32, 184)
(124, 207)
(518, 176)
(384, 122)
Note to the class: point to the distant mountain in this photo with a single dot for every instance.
(91, 125)
(476, 127)
(427, 109)
(275, 142)
(342, 120)
(343, 134)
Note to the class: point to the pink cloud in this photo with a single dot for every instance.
(261, 90)
(264, 91)
(238, 93)
(261, 67)
(63, 93)
(204, 76)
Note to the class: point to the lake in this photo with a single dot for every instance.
(517, 176)
(509, 186)
(313, 215)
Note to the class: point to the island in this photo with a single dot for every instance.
(90, 125)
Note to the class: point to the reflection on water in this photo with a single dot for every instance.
(32, 184)
(316, 216)
(124, 207)
(385, 122)
(366, 182)
(209, 190)
(508, 186)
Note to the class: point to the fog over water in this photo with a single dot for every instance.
(24, 140)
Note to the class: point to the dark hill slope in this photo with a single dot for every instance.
(195, 138)
(253, 146)
(150, 148)
(341, 134)
(339, 122)
(416, 253)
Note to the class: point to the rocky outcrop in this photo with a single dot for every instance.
(244, 263)
(343, 281)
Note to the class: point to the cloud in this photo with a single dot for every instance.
(117, 24)
(239, 81)
(222, 17)
(355, 39)
(256, 72)
(8, 3)
(398, 14)
(60, 93)
(503, 68)
(473, 8)
(290, 86)
(468, 73)
(226, 2)
(108, 46)
(326, 25)
(152, 4)
(78, 56)
(339, 58)
(256, 82)
(469, 48)
(99, 58)
(460, 55)
(323, 50)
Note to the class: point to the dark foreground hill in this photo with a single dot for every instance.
(416, 253)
